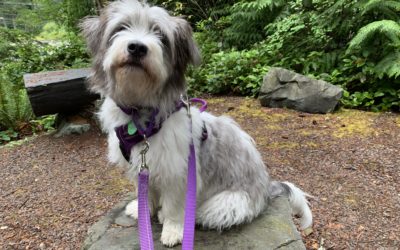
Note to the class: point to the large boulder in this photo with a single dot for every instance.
(283, 88)
(274, 229)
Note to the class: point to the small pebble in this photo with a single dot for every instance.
(42, 246)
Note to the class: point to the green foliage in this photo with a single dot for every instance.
(354, 44)
(384, 7)
(65, 13)
(22, 54)
(15, 108)
(389, 66)
(7, 135)
(248, 19)
(237, 72)
(388, 28)
(379, 41)
(196, 10)
(51, 31)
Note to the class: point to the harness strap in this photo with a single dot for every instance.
(128, 140)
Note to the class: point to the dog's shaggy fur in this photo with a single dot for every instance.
(140, 54)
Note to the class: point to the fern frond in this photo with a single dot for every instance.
(24, 106)
(259, 5)
(335, 8)
(389, 65)
(380, 6)
(15, 105)
(388, 28)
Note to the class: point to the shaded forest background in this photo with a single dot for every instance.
(353, 44)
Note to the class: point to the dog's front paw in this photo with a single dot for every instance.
(172, 234)
(132, 209)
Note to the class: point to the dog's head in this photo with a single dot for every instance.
(139, 52)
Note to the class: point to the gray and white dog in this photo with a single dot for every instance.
(140, 54)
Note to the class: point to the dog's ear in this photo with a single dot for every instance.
(186, 50)
(91, 30)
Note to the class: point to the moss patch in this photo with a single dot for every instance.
(117, 183)
(354, 122)
(251, 108)
(397, 120)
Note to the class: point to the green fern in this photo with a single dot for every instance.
(388, 8)
(389, 65)
(387, 28)
(249, 18)
(387, 55)
(15, 107)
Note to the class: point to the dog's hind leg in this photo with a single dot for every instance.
(228, 208)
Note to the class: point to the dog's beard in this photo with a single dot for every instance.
(134, 86)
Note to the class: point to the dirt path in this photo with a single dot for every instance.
(52, 190)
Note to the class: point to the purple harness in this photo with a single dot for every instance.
(129, 137)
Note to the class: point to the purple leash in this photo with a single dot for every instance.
(144, 222)
(191, 193)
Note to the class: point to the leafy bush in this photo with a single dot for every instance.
(354, 44)
(65, 13)
(249, 18)
(15, 109)
(22, 54)
(237, 72)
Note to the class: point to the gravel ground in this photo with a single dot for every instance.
(52, 190)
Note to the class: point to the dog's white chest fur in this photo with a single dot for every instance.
(167, 157)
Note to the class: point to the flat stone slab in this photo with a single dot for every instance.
(274, 229)
(73, 124)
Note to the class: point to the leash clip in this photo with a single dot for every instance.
(143, 152)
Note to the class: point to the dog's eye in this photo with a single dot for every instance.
(156, 29)
(120, 28)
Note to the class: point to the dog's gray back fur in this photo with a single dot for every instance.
(230, 162)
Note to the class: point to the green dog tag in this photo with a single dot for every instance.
(131, 128)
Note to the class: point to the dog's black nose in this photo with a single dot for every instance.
(137, 49)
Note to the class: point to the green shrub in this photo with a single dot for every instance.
(15, 108)
(235, 72)
(354, 44)
(22, 55)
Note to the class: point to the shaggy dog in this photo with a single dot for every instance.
(140, 54)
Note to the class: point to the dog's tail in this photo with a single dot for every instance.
(297, 200)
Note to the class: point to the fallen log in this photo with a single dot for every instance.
(61, 91)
